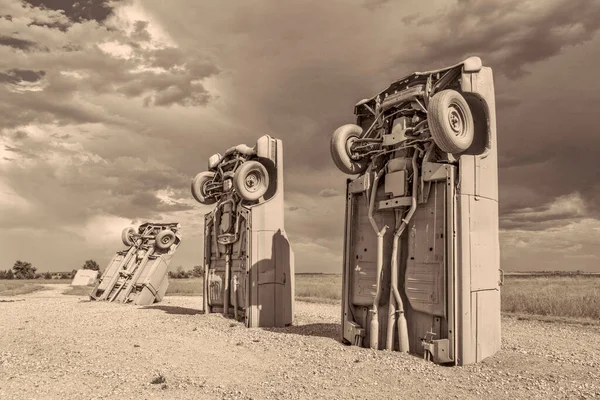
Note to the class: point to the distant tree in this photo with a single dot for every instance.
(10, 274)
(180, 273)
(24, 270)
(38, 275)
(198, 271)
(48, 275)
(91, 264)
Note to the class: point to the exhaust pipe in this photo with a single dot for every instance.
(227, 289)
(396, 303)
(235, 297)
(389, 340)
(374, 331)
(402, 325)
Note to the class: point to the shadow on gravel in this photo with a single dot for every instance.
(330, 331)
(175, 310)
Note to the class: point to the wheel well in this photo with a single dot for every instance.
(272, 172)
(479, 110)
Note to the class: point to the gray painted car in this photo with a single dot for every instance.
(138, 274)
(421, 248)
(249, 263)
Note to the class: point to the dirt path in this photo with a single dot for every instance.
(49, 291)
(54, 346)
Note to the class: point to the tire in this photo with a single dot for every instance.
(127, 236)
(198, 184)
(165, 239)
(341, 140)
(450, 121)
(251, 180)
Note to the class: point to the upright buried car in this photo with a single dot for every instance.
(249, 265)
(421, 259)
(139, 274)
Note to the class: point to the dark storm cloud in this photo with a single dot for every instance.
(60, 25)
(132, 76)
(180, 84)
(78, 11)
(58, 136)
(19, 75)
(20, 151)
(123, 186)
(16, 43)
(509, 34)
(140, 32)
(20, 135)
(530, 221)
(295, 72)
(564, 162)
(540, 149)
(18, 109)
(300, 92)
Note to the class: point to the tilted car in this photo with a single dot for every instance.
(139, 274)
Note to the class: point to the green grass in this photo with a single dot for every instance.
(569, 297)
(78, 291)
(314, 288)
(17, 287)
(547, 296)
(552, 296)
(185, 287)
(308, 287)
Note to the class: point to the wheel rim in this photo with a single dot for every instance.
(203, 189)
(165, 240)
(456, 120)
(252, 182)
(349, 143)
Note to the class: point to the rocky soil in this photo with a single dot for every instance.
(54, 346)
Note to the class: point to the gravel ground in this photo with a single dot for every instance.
(64, 347)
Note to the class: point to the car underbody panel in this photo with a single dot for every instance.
(249, 264)
(421, 248)
(138, 275)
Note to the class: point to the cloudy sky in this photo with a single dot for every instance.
(108, 109)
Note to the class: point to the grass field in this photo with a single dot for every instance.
(549, 296)
(557, 296)
(570, 297)
(17, 287)
(185, 287)
(315, 288)
(14, 288)
(78, 291)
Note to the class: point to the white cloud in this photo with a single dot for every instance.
(126, 15)
(101, 230)
(116, 49)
